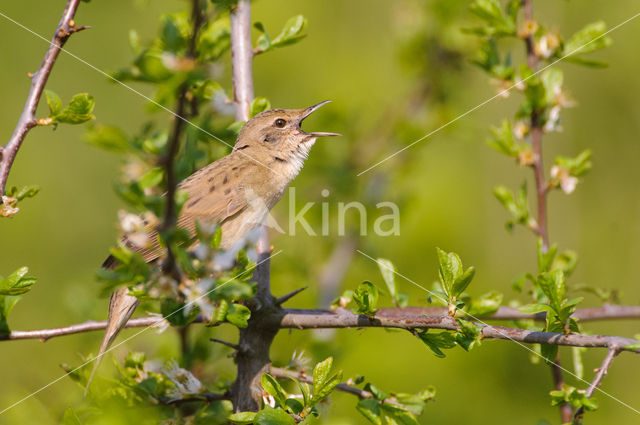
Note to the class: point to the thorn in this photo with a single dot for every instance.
(228, 344)
(290, 295)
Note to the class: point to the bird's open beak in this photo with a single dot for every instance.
(308, 111)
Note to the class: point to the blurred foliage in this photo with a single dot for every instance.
(396, 71)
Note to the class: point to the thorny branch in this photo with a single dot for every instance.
(385, 318)
(66, 27)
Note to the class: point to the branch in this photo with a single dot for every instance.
(607, 312)
(169, 267)
(597, 380)
(256, 339)
(28, 120)
(198, 397)
(283, 373)
(341, 318)
(566, 412)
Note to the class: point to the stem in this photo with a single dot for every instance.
(403, 318)
(566, 412)
(170, 267)
(597, 380)
(27, 119)
(255, 340)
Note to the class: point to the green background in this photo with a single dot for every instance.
(353, 56)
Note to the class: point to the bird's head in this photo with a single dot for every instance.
(276, 139)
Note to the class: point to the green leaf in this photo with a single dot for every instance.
(437, 341)
(398, 414)
(54, 102)
(70, 417)
(366, 299)
(263, 43)
(545, 259)
(370, 409)
(242, 417)
(271, 385)
(17, 283)
(588, 39)
(269, 416)
(107, 137)
(238, 315)
(323, 385)
(502, 140)
(291, 32)
(484, 305)
(535, 308)
(463, 281)
(259, 104)
(387, 269)
(304, 390)
(78, 111)
(215, 39)
(151, 178)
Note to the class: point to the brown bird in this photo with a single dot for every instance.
(237, 191)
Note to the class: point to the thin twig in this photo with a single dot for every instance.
(170, 215)
(542, 230)
(597, 380)
(198, 397)
(283, 373)
(228, 344)
(66, 27)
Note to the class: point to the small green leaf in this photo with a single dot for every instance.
(54, 102)
(291, 33)
(370, 409)
(259, 104)
(463, 281)
(323, 385)
(242, 417)
(151, 178)
(272, 386)
(78, 111)
(387, 269)
(107, 137)
(366, 299)
(437, 341)
(269, 416)
(588, 39)
(238, 315)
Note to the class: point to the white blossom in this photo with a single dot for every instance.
(185, 383)
(8, 207)
(567, 181)
(195, 294)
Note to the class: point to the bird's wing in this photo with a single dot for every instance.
(212, 199)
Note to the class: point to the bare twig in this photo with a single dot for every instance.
(28, 120)
(170, 215)
(597, 380)
(228, 344)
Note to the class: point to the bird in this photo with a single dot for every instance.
(268, 154)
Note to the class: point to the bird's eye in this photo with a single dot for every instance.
(280, 123)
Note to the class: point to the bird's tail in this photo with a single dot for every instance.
(121, 307)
